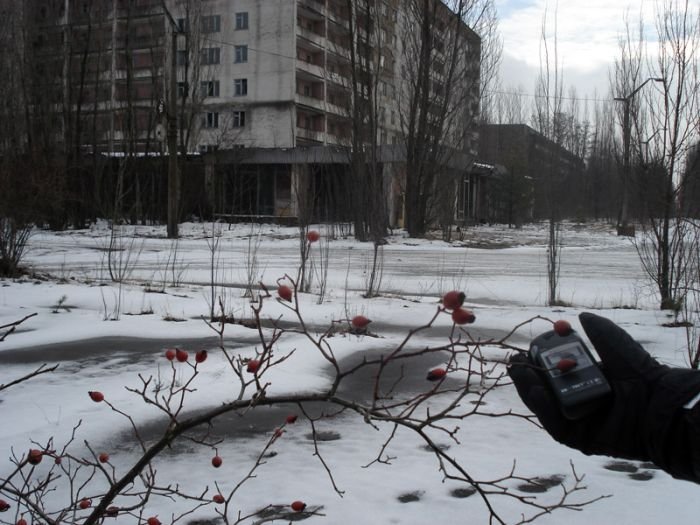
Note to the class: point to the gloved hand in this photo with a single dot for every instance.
(644, 419)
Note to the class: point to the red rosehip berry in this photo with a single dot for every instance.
(57, 460)
(253, 366)
(21, 521)
(285, 292)
(96, 396)
(278, 433)
(103, 457)
(216, 461)
(170, 354)
(218, 498)
(463, 316)
(562, 327)
(85, 503)
(201, 356)
(313, 236)
(34, 456)
(436, 374)
(566, 364)
(298, 506)
(4, 505)
(112, 511)
(360, 322)
(181, 355)
(153, 521)
(453, 299)
(291, 418)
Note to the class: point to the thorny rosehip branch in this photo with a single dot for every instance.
(455, 391)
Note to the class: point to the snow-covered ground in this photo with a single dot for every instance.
(103, 336)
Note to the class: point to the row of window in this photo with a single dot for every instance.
(212, 56)
(210, 119)
(212, 88)
(212, 23)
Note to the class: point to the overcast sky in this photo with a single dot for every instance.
(588, 32)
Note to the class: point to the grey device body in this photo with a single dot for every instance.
(580, 390)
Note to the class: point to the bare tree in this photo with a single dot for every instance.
(505, 106)
(370, 68)
(601, 191)
(547, 119)
(628, 70)
(510, 194)
(367, 67)
(441, 65)
(691, 294)
(665, 129)
(20, 180)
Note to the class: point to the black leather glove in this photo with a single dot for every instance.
(644, 419)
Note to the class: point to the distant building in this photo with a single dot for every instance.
(264, 83)
(690, 188)
(541, 175)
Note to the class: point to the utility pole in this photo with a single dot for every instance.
(173, 172)
(622, 227)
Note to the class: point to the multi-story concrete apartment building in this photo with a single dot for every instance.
(265, 83)
(282, 69)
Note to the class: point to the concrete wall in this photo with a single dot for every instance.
(269, 71)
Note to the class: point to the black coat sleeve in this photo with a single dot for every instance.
(674, 428)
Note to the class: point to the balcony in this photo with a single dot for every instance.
(338, 13)
(339, 79)
(311, 36)
(310, 102)
(337, 110)
(310, 71)
(312, 7)
(309, 134)
(338, 101)
(338, 49)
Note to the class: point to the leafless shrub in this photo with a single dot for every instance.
(252, 262)
(13, 243)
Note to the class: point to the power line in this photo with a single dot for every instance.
(533, 95)
(488, 92)
(231, 44)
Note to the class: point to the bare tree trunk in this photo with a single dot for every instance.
(548, 121)
(443, 61)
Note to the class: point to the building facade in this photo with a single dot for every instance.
(541, 177)
(269, 85)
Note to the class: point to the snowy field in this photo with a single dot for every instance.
(103, 336)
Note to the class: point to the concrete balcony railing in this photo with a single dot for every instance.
(337, 110)
(337, 78)
(311, 36)
(339, 140)
(313, 5)
(313, 69)
(337, 17)
(311, 102)
(309, 134)
(338, 49)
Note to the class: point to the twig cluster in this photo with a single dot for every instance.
(94, 488)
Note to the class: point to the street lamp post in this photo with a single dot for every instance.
(622, 227)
